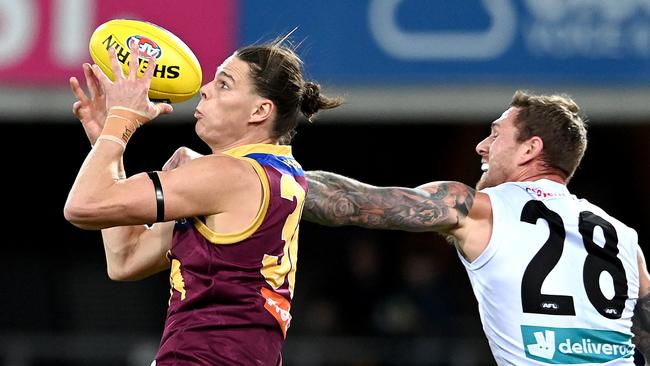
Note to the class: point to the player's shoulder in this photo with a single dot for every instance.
(543, 189)
(505, 188)
(587, 206)
(218, 161)
(441, 190)
(219, 168)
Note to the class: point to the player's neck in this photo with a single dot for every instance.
(248, 140)
(537, 175)
(538, 169)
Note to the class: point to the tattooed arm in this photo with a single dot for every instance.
(641, 318)
(335, 200)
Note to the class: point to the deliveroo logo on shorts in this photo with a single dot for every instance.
(575, 345)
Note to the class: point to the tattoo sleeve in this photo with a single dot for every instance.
(641, 326)
(335, 200)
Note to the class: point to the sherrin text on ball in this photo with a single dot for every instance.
(177, 76)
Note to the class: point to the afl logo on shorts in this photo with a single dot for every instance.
(146, 46)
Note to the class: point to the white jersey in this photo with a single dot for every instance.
(558, 281)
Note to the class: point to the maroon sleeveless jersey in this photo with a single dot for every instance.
(231, 292)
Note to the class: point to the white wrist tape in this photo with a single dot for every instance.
(112, 138)
(140, 113)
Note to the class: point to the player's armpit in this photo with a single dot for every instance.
(641, 326)
(335, 200)
(641, 317)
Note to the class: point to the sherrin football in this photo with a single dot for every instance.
(177, 76)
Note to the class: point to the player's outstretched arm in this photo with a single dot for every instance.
(335, 200)
(641, 318)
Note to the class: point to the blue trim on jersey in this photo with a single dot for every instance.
(284, 164)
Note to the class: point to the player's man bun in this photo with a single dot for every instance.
(311, 100)
(309, 103)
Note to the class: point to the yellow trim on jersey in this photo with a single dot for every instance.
(281, 150)
(236, 237)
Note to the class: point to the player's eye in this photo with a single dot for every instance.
(223, 85)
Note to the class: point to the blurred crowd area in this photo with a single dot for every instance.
(391, 287)
(369, 283)
(362, 297)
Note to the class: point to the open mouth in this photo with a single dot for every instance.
(485, 167)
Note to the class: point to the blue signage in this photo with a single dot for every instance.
(470, 42)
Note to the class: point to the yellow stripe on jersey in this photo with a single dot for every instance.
(280, 150)
(236, 237)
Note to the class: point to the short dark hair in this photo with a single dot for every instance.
(558, 121)
(277, 73)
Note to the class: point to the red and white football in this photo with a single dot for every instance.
(177, 76)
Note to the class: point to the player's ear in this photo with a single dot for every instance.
(531, 149)
(262, 111)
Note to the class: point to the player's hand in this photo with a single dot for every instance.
(130, 91)
(181, 156)
(90, 111)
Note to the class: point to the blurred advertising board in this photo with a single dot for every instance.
(379, 50)
(44, 42)
(470, 41)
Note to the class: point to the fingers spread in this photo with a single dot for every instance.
(151, 66)
(115, 65)
(133, 61)
(77, 91)
(91, 82)
(99, 74)
(75, 108)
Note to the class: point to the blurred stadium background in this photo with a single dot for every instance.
(422, 79)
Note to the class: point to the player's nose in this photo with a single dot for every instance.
(204, 90)
(483, 147)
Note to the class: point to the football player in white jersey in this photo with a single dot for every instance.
(557, 279)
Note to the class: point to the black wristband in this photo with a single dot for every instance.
(160, 199)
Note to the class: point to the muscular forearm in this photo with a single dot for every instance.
(335, 200)
(99, 173)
